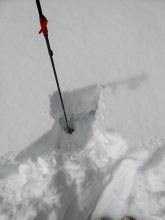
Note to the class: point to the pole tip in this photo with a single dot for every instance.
(70, 130)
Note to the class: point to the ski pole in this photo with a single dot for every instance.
(44, 30)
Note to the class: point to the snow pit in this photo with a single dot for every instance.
(63, 183)
(90, 174)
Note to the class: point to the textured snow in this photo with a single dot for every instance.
(66, 182)
(89, 174)
(117, 44)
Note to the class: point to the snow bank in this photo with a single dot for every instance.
(66, 182)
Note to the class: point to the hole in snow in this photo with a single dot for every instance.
(62, 122)
(77, 121)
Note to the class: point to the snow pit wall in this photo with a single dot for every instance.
(92, 173)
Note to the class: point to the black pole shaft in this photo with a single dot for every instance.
(39, 8)
(56, 78)
(54, 69)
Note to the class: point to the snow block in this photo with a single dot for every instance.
(76, 102)
(79, 105)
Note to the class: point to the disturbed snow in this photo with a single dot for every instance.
(86, 175)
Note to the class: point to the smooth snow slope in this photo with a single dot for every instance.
(120, 43)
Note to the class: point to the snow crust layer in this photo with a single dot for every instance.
(89, 174)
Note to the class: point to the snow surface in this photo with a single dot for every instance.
(67, 176)
(65, 181)
(113, 165)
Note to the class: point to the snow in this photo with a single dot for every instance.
(113, 164)
(69, 176)
(57, 185)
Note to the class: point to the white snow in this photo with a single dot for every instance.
(66, 182)
(113, 164)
